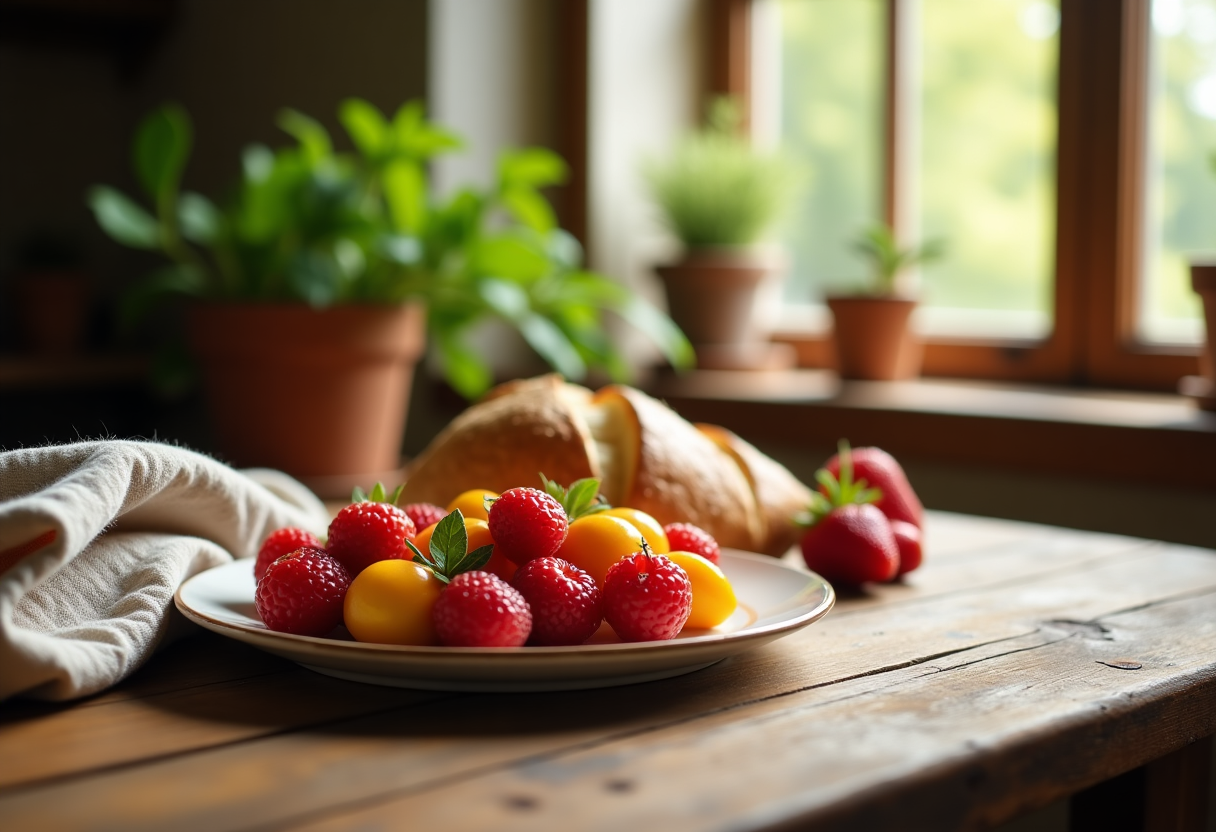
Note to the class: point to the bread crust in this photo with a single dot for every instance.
(519, 431)
(646, 456)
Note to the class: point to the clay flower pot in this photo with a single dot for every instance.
(1203, 388)
(874, 339)
(320, 394)
(712, 296)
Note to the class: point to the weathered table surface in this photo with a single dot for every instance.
(1020, 665)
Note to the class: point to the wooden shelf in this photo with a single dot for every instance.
(1121, 436)
(33, 372)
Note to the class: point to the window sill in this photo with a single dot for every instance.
(1146, 438)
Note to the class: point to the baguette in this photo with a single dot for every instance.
(645, 455)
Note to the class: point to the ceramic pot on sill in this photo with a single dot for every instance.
(712, 295)
(321, 394)
(1202, 388)
(873, 337)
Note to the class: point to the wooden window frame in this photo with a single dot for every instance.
(1100, 200)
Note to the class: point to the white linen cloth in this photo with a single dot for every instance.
(95, 537)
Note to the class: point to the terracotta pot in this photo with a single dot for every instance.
(874, 339)
(712, 297)
(1203, 388)
(52, 311)
(320, 394)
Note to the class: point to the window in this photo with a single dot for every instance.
(1061, 146)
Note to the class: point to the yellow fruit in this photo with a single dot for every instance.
(390, 602)
(713, 598)
(650, 528)
(596, 541)
(472, 503)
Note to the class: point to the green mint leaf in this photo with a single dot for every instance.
(471, 560)
(580, 496)
(553, 489)
(449, 541)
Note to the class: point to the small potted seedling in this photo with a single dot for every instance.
(872, 325)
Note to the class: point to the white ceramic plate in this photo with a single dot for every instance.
(774, 600)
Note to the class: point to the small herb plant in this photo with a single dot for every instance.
(877, 244)
(715, 188)
(307, 223)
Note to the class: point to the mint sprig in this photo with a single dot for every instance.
(837, 491)
(449, 553)
(580, 499)
(378, 495)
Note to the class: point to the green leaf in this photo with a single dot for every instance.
(175, 279)
(530, 208)
(366, 126)
(357, 495)
(401, 249)
(162, 145)
(668, 337)
(123, 219)
(463, 368)
(313, 138)
(315, 277)
(511, 257)
(449, 541)
(533, 168)
(471, 560)
(257, 162)
(580, 499)
(551, 344)
(200, 220)
(405, 190)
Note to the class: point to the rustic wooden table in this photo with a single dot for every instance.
(1021, 665)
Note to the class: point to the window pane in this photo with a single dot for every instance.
(831, 124)
(1182, 183)
(987, 147)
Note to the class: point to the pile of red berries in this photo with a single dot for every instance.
(371, 577)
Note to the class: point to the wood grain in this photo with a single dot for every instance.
(976, 683)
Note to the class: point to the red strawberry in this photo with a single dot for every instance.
(880, 470)
(365, 532)
(848, 539)
(424, 514)
(477, 609)
(685, 537)
(907, 538)
(302, 592)
(567, 606)
(647, 597)
(280, 542)
(527, 523)
(851, 545)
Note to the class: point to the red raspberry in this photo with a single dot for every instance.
(478, 609)
(424, 514)
(302, 592)
(280, 542)
(527, 523)
(366, 532)
(647, 597)
(567, 606)
(685, 537)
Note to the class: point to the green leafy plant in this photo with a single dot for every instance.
(715, 188)
(877, 244)
(307, 223)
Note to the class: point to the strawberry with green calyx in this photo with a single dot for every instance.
(580, 499)
(877, 467)
(449, 553)
(378, 495)
(847, 538)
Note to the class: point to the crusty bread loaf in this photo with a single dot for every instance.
(645, 455)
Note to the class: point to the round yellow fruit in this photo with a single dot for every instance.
(650, 528)
(472, 503)
(596, 541)
(713, 598)
(477, 529)
(390, 602)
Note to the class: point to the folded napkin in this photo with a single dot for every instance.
(95, 537)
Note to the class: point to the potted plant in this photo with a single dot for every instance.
(1202, 388)
(872, 330)
(719, 195)
(314, 287)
